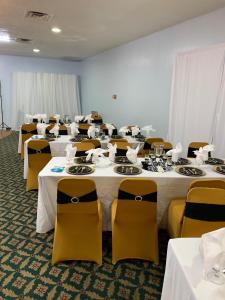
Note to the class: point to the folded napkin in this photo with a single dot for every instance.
(41, 127)
(124, 130)
(132, 154)
(135, 130)
(91, 131)
(175, 152)
(95, 154)
(70, 151)
(112, 151)
(102, 162)
(203, 153)
(212, 246)
(110, 128)
(78, 118)
(88, 118)
(147, 129)
(55, 130)
(57, 117)
(74, 129)
(43, 117)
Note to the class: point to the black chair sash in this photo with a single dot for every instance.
(121, 152)
(191, 152)
(63, 198)
(63, 132)
(151, 197)
(205, 211)
(38, 151)
(106, 131)
(147, 146)
(34, 131)
(80, 153)
(52, 121)
(35, 120)
(129, 133)
(83, 131)
(97, 121)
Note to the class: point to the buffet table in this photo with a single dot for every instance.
(169, 185)
(58, 147)
(183, 278)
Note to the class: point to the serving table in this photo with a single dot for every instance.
(169, 185)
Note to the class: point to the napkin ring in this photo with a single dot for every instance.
(75, 200)
(138, 198)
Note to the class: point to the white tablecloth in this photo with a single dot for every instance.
(58, 147)
(183, 278)
(169, 185)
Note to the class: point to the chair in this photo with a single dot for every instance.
(39, 154)
(114, 141)
(78, 225)
(177, 206)
(195, 146)
(63, 130)
(148, 145)
(49, 127)
(166, 145)
(134, 221)
(130, 131)
(95, 142)
(97, 119)
(82, 148)
(83, 128)
(122, 148)
(106, 131)
(52, 120)
(27, 130)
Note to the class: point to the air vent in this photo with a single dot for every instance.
(38, 15)
(22, 40)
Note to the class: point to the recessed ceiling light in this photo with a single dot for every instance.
(36, 50)
(56, 30)
(4, 37)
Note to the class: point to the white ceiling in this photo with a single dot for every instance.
(91, 26)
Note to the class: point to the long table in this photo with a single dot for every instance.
(169, 185)
(58, 147)
(183, 278)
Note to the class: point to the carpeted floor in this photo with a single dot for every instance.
(26, 271)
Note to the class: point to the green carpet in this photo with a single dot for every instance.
(26, 271)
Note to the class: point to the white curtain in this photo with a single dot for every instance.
(196, 97)
(43, 93)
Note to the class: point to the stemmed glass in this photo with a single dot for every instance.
(217, 272)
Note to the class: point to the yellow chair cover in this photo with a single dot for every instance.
(177, 206)
(134, 222)
(27, 130)
(95, 142)
(195, 146)
(78, 225)
(82, 148)
(39, 154)
(204, 211)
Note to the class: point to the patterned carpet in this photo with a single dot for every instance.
(26, 271)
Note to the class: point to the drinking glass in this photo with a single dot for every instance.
(217, 272)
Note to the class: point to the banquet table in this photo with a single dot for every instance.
(183, 279)
(169, 185)
(58, 147)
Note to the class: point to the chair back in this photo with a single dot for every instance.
(166, 145)
(52, 120)
(122, 148)
(39, 153)
(114, 141)
(195, 146)
(204, 211)
(95, 142)
(82, 148)
(106, 131)
(76, 196)
(83, 128)
(97, 119)
(27, 130)
(137, 201)
(209, 183)
(49, 127)
(63, 130)
(149, 141)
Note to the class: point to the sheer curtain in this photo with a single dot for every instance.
(196, 96)
(43, 93)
